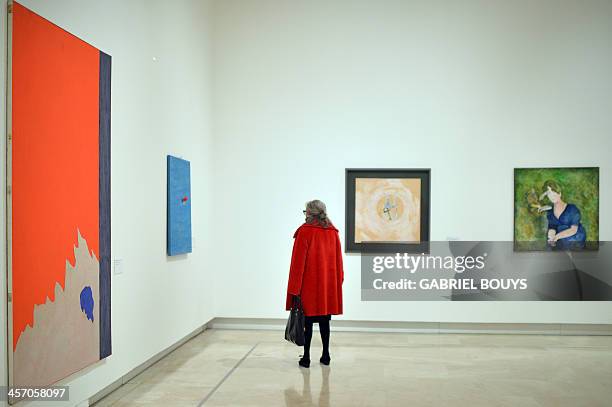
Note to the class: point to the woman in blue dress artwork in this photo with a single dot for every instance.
(564, 228)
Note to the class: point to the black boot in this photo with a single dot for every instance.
(325, 332)
(304, 362)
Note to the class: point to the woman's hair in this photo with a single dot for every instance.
(554, 186)
(316, 212)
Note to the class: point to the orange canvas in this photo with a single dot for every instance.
(55, 202)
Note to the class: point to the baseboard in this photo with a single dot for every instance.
(424, 327)
(145, 365)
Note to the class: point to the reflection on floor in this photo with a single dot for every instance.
(258, 368)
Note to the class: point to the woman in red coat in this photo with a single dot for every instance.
(316, 274)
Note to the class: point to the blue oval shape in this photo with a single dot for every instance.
(87, 302)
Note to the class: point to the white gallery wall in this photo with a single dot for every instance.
(471, 89)
(271, 100)
(160, 105)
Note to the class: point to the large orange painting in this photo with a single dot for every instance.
(60, 201)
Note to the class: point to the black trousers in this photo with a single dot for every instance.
(323, 321)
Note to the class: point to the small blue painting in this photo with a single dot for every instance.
(179, 206)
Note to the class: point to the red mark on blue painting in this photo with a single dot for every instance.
(87, 302)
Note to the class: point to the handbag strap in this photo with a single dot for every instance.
(297, 302)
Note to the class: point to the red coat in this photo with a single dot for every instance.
(316, 271)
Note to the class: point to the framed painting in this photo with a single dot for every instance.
(556, 209)
(387, 210)
(179, 206)
(59, 229)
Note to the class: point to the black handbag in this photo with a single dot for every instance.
(294, 332)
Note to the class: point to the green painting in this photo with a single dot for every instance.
(556, 208)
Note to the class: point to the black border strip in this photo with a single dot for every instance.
(105, 205)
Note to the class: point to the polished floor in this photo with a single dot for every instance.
(258, 368)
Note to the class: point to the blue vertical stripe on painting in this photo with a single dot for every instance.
(179, 206)
(105, 202)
